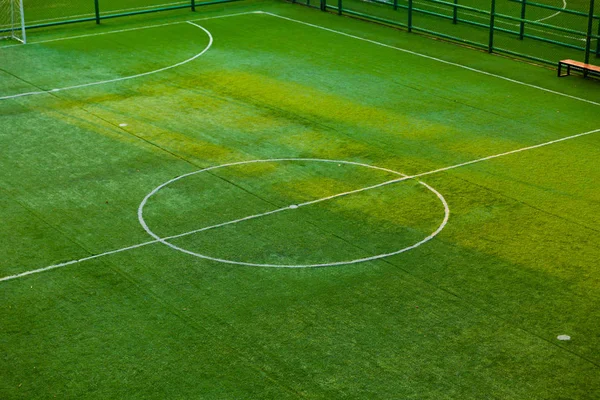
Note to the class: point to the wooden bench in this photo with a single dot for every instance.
(587, 69)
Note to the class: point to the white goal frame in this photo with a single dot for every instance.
(12, 20)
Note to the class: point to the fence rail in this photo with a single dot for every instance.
(43, 13)
(544, 30)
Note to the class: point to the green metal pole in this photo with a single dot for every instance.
(588, 39)
(339, 7)
(522, 24)
(492, 20)
(598, 41)
(455, 13)
(97, 8)
(410, 12)
(193, 5)
(395, 5)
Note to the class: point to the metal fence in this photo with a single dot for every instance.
(41, 13)
(545, 31)
(541, 30)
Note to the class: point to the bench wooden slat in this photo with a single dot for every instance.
(579, 64)
(587, 69)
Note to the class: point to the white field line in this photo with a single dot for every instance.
(104, 12)
(340, 33)
(291, 207)
(500, 22)
(35, 271)
(379, 185)
(30, 43)
(124, 78)
(481, 16)
(435, 59)
(564, 7)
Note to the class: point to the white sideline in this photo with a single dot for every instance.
(74, 16)
(434, 59)
(137, 28)
(35, 271)
(325, 29)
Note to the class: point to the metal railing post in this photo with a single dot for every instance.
(522, 24)
(410, 12)
(193, 5)
(598, 41)
(492, 21)
(97, 9)
(455, 13)
(588, 38)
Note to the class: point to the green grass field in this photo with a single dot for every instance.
(273, 202)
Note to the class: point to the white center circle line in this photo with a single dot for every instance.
(403, 177)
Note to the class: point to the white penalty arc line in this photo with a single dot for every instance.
(55, 266)
(191, 22)
(564, 7)
(210, 42)
(434, 59)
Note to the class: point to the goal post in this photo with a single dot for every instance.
(12, 20)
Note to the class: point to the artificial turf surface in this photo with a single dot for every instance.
(472, 313)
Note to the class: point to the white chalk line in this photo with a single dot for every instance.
(486, 17)
(564, 7)
(84, 85)
(498, 21)
(434, 59)
(32, 43)
(290, 207)
(191, 22)
(384, 183)
(35, 271)
(104, 12)
(354, 37)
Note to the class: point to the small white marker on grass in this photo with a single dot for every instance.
(293, 206)
(123, 125)
(563, 337)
